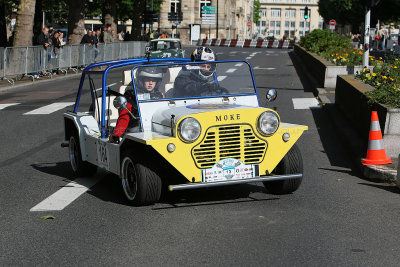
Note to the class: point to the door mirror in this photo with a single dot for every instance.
(271, 95)
(120, 102)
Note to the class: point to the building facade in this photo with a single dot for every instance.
(233, 19)
(285, 18)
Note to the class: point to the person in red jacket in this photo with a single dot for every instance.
(147, 85)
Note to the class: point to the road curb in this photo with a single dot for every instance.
(27, 84)
(375, 173)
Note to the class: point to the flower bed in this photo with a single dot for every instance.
(385, 78)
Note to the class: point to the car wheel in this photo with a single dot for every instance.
(292, 163)
(79, 167)
(141, 185)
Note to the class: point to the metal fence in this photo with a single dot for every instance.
(16, 62)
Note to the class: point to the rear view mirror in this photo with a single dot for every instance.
(271, 95)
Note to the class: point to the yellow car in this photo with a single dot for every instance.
(205, 128)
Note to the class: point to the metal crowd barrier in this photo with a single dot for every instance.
(17, 62)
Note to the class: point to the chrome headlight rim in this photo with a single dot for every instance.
(259, 119)
(181, 124)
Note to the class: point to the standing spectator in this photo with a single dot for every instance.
(96, 41)
(87, 38)
(121, 36)
(114, 36)
(55, 52)
(152, 35)
(43, 40)
(61, 38)
(101, 38)
(108, 38)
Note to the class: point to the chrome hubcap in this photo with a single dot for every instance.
(73, 153)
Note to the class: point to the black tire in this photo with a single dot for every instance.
(141, 185)
(79, 167)
(292, 163)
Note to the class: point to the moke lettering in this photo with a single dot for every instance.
(231, 117)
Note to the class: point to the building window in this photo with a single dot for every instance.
(275, 12)
(204, 3)
(175, 6)
(263, 12)
(290, 13)
(307, 29)
(275, 28)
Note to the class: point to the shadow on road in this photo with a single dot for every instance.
(390, 188)
(308, 87)
(109, 189)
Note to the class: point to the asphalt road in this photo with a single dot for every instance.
(336, 218)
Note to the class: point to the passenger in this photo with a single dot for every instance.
(197, 80)
(147, 84)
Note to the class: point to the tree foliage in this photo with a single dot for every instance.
(352, 12)
(256, 11)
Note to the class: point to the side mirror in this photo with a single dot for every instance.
(120, 102)
(271, 95)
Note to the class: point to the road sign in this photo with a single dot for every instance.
(249, 24)
(332, 22)
(209, 8)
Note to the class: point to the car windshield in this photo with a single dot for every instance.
(193, 80)
(162, 45)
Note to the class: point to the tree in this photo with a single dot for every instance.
(76, 21)
(256, 11)
(24, 25)
(139, 7)
(3, 24)
(109, 14)
(352, 12)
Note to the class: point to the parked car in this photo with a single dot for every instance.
(216, 136)
(166, 48)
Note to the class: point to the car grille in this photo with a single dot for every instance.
(233, 141)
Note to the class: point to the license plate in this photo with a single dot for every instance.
(228, 169)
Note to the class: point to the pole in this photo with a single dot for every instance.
(366, 38)
(217, 21)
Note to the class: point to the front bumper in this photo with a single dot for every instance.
(241, 181)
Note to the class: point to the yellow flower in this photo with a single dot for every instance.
(354, 52)
(384, 77)
(374, 74)
(395, 67)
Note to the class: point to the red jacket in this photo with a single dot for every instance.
(123, 119)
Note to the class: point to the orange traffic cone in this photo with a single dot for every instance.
(376, 152)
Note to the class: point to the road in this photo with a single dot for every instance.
(336, 218)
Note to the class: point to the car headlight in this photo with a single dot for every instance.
(268, 123)
(189, 129)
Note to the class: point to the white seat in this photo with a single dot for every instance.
(110, 108)
(173, 72)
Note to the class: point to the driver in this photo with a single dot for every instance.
(148, 82)
(196, 80)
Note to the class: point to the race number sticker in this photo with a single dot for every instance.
(103, 155)
(228, 169)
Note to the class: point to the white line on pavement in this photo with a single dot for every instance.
(221, 78)
(49, 108)
(305, 103)
(2, 106)
(66, 195)
(249, 57)
(230, 70)
(259, 68)
(238, 64)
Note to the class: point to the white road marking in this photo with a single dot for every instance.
(233, 52)
(238, 64)
(49, 108)
(66, 195)
(221, 78)
(2, 106)
(259, 68)
(249, 57)
(305, 103)
(230, 70)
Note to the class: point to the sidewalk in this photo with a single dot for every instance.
(357, 149)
